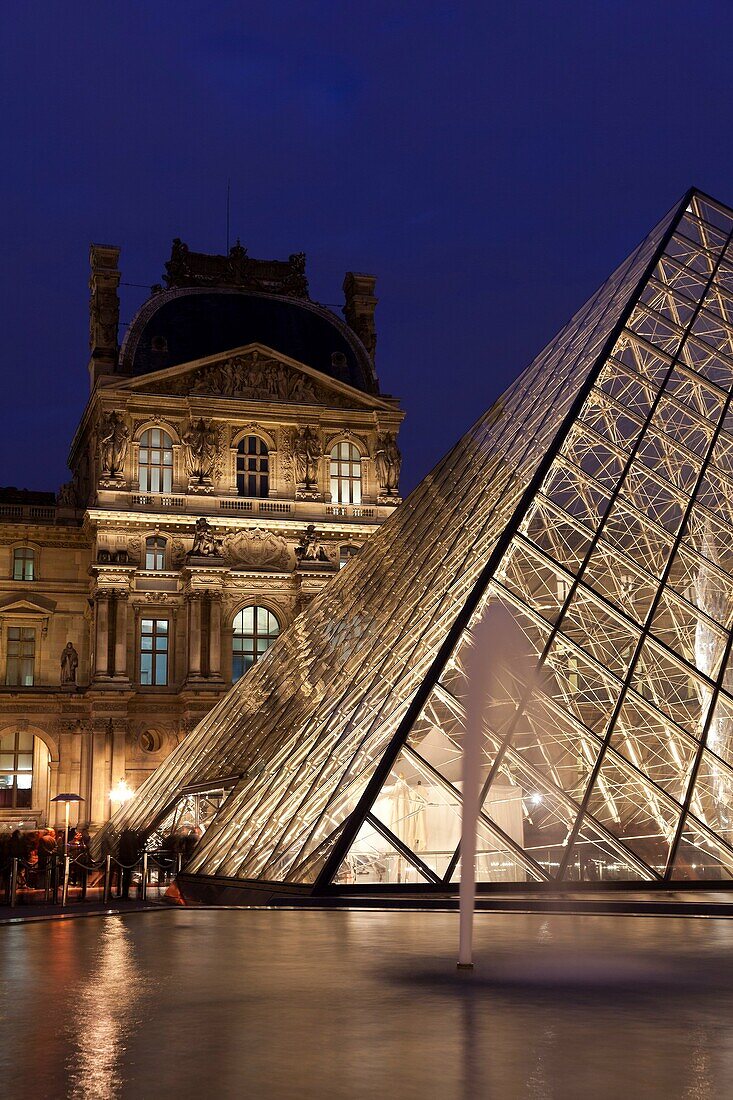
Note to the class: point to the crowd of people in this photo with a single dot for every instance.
(35, 849)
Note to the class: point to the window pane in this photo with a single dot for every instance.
(255, 629)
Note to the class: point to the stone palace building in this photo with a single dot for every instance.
(235, 451)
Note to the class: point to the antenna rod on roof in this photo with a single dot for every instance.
(229, 183)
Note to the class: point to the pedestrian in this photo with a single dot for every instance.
(127, 854)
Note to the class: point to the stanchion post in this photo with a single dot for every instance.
(144, 878)
(84, 881)
(179, 863)
(65, 883)
(107, 879)
(14, 883)
(46, 882)
(55, 880)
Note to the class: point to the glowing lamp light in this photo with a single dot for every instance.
(120, 793)
(535, 799)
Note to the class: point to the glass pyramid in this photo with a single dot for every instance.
(594, 500)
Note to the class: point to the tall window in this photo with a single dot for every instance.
(255, 629)
(154, 553)
(346, 553)
(21, 656)
(253, 467)
(154, 652)
(345, 474)
(155, 461)
(24, 563)
(16, 770)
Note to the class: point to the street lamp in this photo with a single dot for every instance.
(120, 793)
(67, 799)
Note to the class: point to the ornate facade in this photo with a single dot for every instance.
(235, 452)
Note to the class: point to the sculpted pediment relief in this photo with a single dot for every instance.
(251, 375)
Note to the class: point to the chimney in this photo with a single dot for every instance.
(104, 310)
(359, 308)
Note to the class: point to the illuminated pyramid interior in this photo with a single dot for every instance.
(594, 500)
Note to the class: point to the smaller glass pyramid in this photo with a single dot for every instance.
(594, 501)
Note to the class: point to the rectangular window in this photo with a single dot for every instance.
(23, 563)
(21, 656)
(154, 652)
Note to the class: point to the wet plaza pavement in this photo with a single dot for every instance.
(286, 1004)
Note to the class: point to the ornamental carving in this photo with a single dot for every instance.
(257, 549)
(133, 546)
(253, 376)
(113, 437)
(286, 456)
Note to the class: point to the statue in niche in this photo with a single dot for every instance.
(309, 548)
(69, 664)
(306, 457)
(113, 439)
(200, 441)
(387, 462)
(205, 545)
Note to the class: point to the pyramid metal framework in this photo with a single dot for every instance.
(595, 501)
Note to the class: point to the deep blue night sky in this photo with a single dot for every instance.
(490, 162)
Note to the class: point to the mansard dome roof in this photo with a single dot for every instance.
(182, 324)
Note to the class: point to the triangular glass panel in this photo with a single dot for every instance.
(372, 860)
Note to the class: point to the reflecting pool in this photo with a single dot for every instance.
(353, 1004)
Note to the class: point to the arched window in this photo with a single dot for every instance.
(154, 553)
(24, 563)
(346, 553)
(253, 467)
(345, 474)
(16, 769)
(155, 461)
(255, 629)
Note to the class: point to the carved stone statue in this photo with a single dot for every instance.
(394, 463)
(113, 440)
(205, 545)
(200, 440)
(309, 548)
(69, 495)
(306, 457)
(69, 664)
(387, 462)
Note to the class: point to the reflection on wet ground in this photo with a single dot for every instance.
(365, 1004)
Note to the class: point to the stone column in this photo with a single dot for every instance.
(119, 746)
(215, 637)
(100, 785)
(194, 636)
(54, 808)
(121, 635)
(101, 646)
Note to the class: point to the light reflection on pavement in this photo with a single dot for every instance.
(283, 1004)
